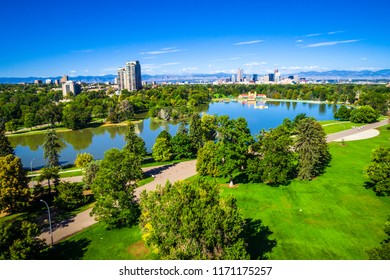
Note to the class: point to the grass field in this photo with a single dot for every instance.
(337, 126)
(331, 217)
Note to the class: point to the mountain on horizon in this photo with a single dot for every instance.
(325, 75)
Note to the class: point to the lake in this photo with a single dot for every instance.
(259, 115)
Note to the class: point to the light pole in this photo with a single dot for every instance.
(48, 211)
(31, 171)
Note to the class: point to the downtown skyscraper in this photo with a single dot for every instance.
(129, 77)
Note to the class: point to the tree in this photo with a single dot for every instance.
(209, 159)
(11, 126)
(162, 150)
(51, 148)
(134, 143)
(18, 240)
(50, 174)
(312, 149)
(382, 252)
(90, 173)
(29, 120)
(83, 159)
(5, 145)
(181, 143)
(273, 160)
(70, 195)
(113, 188)
(190, 221)
(343, 113)
(14, 191)
(364, 114)
(378, 171)
(196, 133)
(76, 116)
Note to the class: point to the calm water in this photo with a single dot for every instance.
(97, 140)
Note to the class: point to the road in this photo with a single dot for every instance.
(173, 173)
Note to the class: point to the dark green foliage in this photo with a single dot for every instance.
(123, 111)
(18, 240)
(364, 114)
(382, 252)
(196, 133)
(190, 221)
(181, 143)
(5, 145)
(162, 150)
(70, 195)
(51, 148)
(164, 135)
(134, 143)
(113, 188)
(298, 118)
(90, 173)
(209, 159)
(343, 113)
(273, 161)
(51, 174)
(312, 149)
(378, 171)
(378, 100)
(76, 116)
(14, 191)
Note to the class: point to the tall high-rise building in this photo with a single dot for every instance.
(271, 77)
(129, 77)
(240, 75)
(64, 79)
(277, 76)
(233, 79)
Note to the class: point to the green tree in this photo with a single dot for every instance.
(382, 252)
(18, 240)
(273, 160)
(378, 171)
(312, 149)
(76, 116)
(70, 195)
(343, 113)
(90, 173)
(364, 114)
(51, 148)
(83, 159)
(162, 150)
(29, 120)
(113, 189)
(134, 143)
(5, 145)
(11, 126)
(181, 143)
(190, 221)
(14, 191)
(209, 159)
(196, 133)
(51, 174)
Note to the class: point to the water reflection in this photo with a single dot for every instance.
(259, 115)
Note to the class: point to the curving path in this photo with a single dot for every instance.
(173, 173)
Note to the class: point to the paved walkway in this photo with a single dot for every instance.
(342, 134)
(173, 173)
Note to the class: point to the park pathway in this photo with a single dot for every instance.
(171, 172)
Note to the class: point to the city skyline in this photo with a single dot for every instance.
(42, 39)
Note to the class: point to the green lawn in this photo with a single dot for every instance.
(331, 217)
(337, 126)
(97, 243)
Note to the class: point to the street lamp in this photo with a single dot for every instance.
(31, 171)
(48, 211)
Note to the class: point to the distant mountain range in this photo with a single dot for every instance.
(327, 75)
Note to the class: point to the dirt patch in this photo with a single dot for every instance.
(138, 250)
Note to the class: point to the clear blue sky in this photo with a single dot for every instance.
(52, 38)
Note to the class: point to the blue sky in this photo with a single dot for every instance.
(52, 38)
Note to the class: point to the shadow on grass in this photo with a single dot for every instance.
(256, 237)
(68, 250)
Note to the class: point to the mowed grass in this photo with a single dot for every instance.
(98, 243)
(332, 217)
(337, 126)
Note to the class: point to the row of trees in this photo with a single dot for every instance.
(295, 149)
(30, 105)
(363, 114)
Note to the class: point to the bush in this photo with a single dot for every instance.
(364, 114)
(82, 160)
(70, 195)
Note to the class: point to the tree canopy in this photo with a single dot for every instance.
(5, 145)
(51, 148)
(378, 171)
(191, 221)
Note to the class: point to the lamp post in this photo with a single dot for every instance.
(48, 211)
(31, 171)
